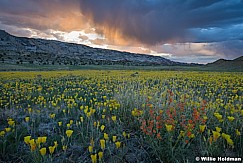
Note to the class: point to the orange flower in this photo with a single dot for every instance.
(190, 121)
(210, 140)
(159, 136)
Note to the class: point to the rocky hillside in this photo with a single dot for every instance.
(233, 65)
(43, 52)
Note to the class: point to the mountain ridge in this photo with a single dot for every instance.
(40, 51)
(36, 51)
(235, 64)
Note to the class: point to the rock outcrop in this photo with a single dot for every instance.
(39, 51)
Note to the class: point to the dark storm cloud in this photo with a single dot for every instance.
(155, 21)
(229, 49)
(42, 14)
(186, 30)
(141, 21)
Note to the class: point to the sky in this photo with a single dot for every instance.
(192, 31)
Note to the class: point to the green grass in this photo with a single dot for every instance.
(32, 67)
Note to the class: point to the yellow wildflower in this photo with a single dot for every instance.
(230, 142)
(32, 144)
(90, 148)
(93, 158)
(192, 136)
(114, 138)
(168, 127)
(137, 112)
(32, 141)
(205, 117)
(237, 132)
(38, 141)
(2, 133)
(43, 139)
(225, 136)
(102, 127)
(11, 122)
(29, 110)
(55, 144)
(51, 149)
(118, 144)
(89, 114)
(106, 136)
(43, 151)
(69, 133)
(102, 144)
(202, 128)
(27, 139)
(52, 115)
(100, 154)
(219, 117)
(81, 119)
(27, 119)
(8, 129)
(64, 147)
(113, 118)
(216, 135)
(218, 129)
(124, 134)
(81, 107)
(92, 142)
(228, 139)
(59, 123)
(160, 111)
(230, 118)
(182, 133)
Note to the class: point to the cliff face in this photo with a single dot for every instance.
(39, 51)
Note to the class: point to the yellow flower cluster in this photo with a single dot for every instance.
(103, 107)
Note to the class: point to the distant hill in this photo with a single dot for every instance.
(229, 65)
(19, 50)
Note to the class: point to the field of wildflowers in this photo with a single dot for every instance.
(120, 116)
